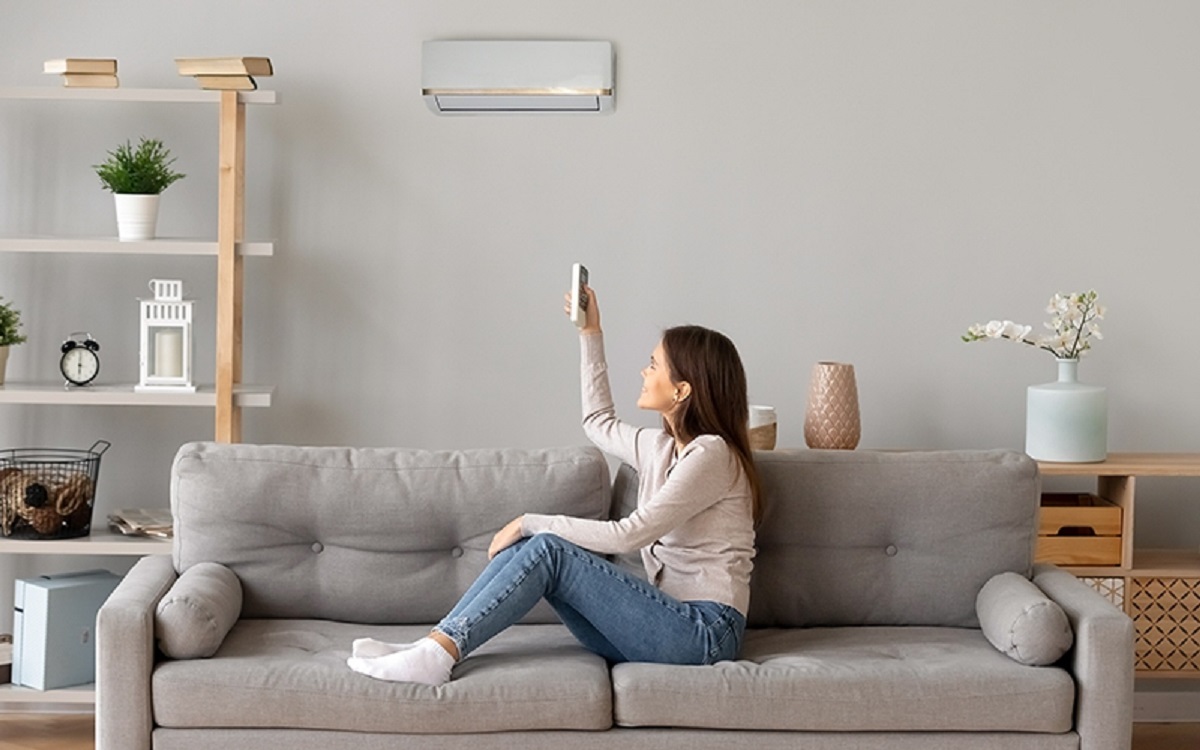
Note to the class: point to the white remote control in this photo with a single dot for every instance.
(579, 301)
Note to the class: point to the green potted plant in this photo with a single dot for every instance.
(136, 176)
(10, 333)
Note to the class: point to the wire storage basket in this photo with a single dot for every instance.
(48, 493)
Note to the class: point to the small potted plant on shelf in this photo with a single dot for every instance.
(136, 176)
(10, 333)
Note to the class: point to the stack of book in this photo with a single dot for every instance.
(6, 659)
(84, 72)
(236, 73)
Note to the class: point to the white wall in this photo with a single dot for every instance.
(821, 180)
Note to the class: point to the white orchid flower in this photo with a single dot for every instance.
(994, 329)
(1072, 324)
(1015, 330)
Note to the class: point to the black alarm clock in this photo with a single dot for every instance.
(80, 363)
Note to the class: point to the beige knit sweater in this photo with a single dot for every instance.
(693, 523)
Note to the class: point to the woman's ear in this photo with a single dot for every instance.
(682, 391)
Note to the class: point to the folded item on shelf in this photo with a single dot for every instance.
(152, 522)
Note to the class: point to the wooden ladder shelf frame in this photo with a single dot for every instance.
(231, 225)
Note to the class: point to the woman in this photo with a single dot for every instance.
(694, 525)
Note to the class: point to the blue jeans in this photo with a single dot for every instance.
(612, 613)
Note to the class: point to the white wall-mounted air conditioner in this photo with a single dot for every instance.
(495, 77)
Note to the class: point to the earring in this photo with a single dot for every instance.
(676, 399)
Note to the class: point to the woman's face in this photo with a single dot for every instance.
(658, 392)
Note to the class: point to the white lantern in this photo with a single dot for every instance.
(166, 339)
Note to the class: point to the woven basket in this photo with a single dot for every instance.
(48, 493)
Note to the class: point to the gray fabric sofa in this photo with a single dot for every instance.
(863, 625)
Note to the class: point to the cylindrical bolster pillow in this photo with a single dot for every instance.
(197, 611)
(1021, 621)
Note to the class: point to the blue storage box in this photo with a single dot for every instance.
(54, 628)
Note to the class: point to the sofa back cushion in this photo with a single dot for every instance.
(878, 538)
(365, 535)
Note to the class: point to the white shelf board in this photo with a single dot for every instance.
(124, 395)
(83, 694)
(133, 95)
(99, 245)
(100, 542)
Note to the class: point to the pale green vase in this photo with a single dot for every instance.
(1067, 420)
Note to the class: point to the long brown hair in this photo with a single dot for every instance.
(718, 404)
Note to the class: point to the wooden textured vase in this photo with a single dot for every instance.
(831, 420)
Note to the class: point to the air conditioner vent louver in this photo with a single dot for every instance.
(499, 77)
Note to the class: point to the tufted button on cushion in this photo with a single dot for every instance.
(456, 552)
(891, 550)
(318, 547)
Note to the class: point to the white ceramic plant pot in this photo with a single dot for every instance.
(137, 216)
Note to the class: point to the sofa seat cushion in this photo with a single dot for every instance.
(293, 673)
(908, 679)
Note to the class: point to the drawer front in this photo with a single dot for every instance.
(1166, 612)
(1079, 550)
(1063, 514)
(1076, 529)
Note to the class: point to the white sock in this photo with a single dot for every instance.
(426, 662)
(369, 648)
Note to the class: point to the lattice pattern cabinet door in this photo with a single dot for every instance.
(1166, 612)
(1113, 589)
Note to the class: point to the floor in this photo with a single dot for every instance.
(74, 732)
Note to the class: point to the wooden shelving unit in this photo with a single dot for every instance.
(100, 542)
(1129, 465)
(1158, 588)
(102, 245)
(176, 96)
(80, 695)
(124, 395)
(227, 395)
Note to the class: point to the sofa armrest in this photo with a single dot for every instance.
(1101, 661)
(125, 655)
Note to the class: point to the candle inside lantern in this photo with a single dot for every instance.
(168, 353)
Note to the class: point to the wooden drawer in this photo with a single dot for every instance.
(1166, 613)
(1078, 529)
